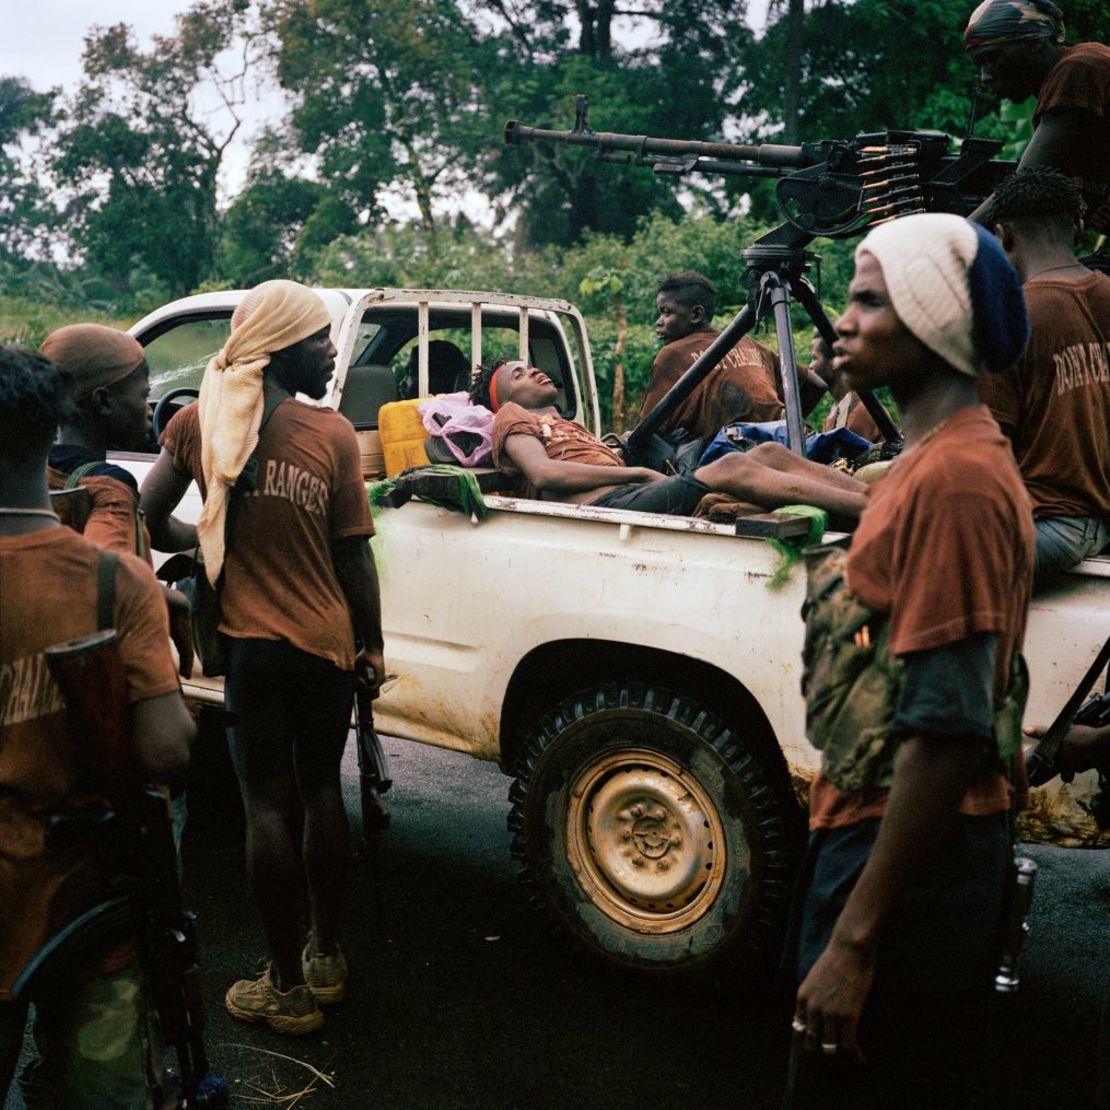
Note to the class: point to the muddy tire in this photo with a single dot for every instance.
(650, 833)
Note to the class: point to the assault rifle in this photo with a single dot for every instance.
(143, 895)
(833, 188)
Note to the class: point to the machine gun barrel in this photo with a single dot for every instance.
(736, 158)
(834, 188)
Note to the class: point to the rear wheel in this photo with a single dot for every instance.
(650, 831)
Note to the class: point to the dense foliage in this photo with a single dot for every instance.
(113, 202)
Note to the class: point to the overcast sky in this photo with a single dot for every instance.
(43, 41)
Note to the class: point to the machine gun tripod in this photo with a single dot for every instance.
(776, 265)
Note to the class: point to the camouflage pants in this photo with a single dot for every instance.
(96, 1048)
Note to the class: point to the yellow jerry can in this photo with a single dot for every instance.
(402, 435)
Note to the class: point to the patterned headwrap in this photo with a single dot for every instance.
(1012, 20)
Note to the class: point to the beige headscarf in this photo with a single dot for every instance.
(271, 317)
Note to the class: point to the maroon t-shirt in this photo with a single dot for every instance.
(563, 440)
(851, 413)
(1080, 82)
(1057, 398)
(945, 547)
(740, 387)
(279, 581)
(44, 766)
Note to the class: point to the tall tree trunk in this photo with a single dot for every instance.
(586, 42)
(621, 317)
(795, 29)
(604, 34)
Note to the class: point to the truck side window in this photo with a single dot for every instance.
(178, 355)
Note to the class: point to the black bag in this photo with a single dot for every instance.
(673, 452)
(206, 613)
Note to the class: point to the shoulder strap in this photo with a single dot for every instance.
(140, 535)
(106, 590)
(75, 477)
(79, 472)
(271, 398)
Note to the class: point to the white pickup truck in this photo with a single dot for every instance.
(633, 674)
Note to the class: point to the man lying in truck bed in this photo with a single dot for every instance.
(561, 461)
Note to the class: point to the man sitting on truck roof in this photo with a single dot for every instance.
(742, 387)
(562, 461)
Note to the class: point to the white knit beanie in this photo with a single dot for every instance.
(953, 287)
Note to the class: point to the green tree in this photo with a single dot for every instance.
(385, 95)
(280, 221)
(139, 154)
(867, 65)
(609, 286)
(673, 70)
(409, 97)
(25, 210)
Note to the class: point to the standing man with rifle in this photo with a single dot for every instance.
(284, 536)
(914, 694)
(1018, 46)
(96, 1043)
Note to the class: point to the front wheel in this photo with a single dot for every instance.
(651, 832)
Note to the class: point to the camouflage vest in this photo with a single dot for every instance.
(852, 684)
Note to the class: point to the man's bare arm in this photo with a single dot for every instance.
(554, 476)
(162, 491)
(162, 734)
(930, 778)
(358, 579)
(1057, 133)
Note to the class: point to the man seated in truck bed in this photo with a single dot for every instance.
(561, 461)
(745, 386)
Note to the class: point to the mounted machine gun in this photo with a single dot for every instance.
(835, 188)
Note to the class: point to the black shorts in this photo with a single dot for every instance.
(941, 936)
(292, 713)
(678, 496)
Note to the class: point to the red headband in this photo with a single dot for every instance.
(493, 406)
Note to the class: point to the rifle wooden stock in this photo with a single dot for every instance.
(72, 506)
(93, 682)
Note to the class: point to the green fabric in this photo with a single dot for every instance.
(463, 495)
(790, 551)
(375, 491)
(470, 500)
(852, 684)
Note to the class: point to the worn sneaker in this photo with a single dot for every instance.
(258, 1000)
(326, 976)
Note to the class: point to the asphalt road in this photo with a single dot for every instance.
(460, 997)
